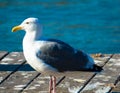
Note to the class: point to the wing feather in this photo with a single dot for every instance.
(62, 56)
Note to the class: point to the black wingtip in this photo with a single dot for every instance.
(97, 68)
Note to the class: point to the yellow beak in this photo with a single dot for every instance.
(16, 28)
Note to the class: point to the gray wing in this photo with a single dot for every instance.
(62, 56)
(55, 48)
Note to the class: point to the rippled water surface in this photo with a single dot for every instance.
(89, 25)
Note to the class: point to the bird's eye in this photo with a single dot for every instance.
(27, 22)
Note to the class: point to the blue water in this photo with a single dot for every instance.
(89, 25)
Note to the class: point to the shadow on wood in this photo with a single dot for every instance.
(27, 67)
(11, 67)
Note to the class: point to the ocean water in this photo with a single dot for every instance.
(89, 25)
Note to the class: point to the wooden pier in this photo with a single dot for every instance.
(16, 76)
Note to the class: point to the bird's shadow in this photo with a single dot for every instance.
(12, 67)
(27, 67)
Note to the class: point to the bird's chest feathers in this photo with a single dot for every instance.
(29, 50)
(30, 55)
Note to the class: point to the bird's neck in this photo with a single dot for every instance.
(32, 36)
(29, 41)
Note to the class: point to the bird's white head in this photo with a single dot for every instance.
(29, 25)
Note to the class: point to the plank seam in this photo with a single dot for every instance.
(4, 56)
(60, 80)
(107, 60)
(115, 83)
(29, 83)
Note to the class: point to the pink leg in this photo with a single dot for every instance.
(50, 85)
(54, 84)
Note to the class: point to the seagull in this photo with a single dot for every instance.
(51, 56)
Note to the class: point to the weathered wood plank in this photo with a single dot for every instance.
(17, 81)
(9, 65)
(117, 83)
(103, 81)
(116, 89)
(40, 85)
(29, 82)
(71, 84)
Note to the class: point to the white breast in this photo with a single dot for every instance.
(30, 49)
